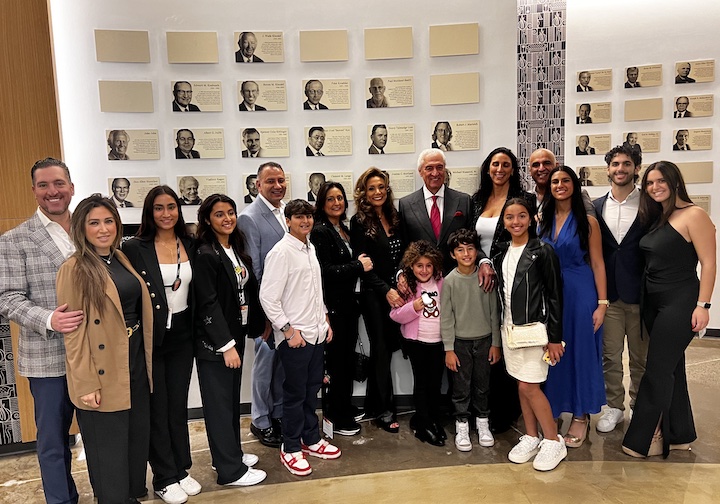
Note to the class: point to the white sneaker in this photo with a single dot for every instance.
(485, 437)
(190, 485)
(609, 420)
(249, 459)
(251, 477)
(551, 453)
(462, 436)
(172, 494)
(526, 449)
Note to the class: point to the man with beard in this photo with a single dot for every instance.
(621, 233)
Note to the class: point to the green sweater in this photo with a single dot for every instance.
(468, 312)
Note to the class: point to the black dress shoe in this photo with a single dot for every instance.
(266, 436)
(439, 431)
(426, 435)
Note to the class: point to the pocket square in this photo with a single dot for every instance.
(458, 214)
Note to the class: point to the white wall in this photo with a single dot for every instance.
(617, 34)
(83, 125)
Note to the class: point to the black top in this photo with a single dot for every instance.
(384, 251)
(669, 259)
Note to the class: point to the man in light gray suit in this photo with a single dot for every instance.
(263, 223)
(30, 256)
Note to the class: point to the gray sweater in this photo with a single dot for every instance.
(468, 311)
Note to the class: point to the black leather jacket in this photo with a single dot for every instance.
(537, 288)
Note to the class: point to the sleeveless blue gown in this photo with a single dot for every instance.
(576, 383)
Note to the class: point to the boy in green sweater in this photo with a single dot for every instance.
(470, 327)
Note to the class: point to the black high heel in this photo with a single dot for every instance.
(392, 426)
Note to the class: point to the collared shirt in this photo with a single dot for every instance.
(118, 203)
(314, 151)
(61, 240)
(183, 108)
(291, 291)
(440, 200)
(620, 215)
(279, 213)
(250, 108)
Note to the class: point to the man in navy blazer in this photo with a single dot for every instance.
(621, 233)
(454, 207)
(263, 223)
(30, 256)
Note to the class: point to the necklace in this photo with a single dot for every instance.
(107, 259)
(176, 284)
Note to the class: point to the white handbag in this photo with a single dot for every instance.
(526, 335)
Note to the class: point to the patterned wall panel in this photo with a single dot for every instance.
(9, 414)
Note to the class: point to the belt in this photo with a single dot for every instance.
(133, 329)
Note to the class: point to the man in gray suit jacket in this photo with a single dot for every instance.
(263, 223)
(30, 256)
(454, 211)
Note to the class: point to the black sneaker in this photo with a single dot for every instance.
(359, 413)
(349, 429)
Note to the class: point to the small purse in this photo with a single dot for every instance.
(362, 365)
(529, 335)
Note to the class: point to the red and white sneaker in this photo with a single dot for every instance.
(296, 462)
(322, 449)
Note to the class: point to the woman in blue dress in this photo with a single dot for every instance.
(576, 383)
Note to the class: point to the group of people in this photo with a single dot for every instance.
(110, 330)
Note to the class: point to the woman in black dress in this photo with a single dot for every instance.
(341, 273)
(675, 307)
(161, 253)
(227, 310)
(374, 231)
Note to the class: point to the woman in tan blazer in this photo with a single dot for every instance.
(109, 355)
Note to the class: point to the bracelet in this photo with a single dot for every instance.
(603, 302)
(291, 336)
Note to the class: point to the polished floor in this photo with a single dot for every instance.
(380, 467)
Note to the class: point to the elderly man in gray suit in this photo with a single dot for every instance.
(435, 211)
(263, 223)
(30, 256)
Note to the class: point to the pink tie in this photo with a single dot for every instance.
(435, 218)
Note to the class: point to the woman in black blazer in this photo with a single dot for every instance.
(374, 231)
(162, 252)
(340, 274)
(226, 310)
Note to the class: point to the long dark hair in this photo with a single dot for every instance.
(651, 212)
(207, 235)
(148, 228)
(413, 253)
(365, 212)
(91, 272)
(320, 215)
(486, 185)
(577, 208)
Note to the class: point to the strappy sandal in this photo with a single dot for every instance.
(574, 441)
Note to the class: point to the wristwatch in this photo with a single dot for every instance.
(703, 305)
(285, 328)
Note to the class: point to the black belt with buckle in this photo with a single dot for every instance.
(131, 330)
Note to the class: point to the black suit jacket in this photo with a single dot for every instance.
(589, 150)
(415, 222)
(630, 86)
(687, 114)
(374, 150)
(191, 107)
(179, 155)
(306, 106)
(247, 199)
(381, 278)
(581, 90)
(239, 58)
(142, 256)
(243, 107)
(683, 80)
(340, 270)
(587, 121)
(624, 262)
(217, 314)
(677, 147)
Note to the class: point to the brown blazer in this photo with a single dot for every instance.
(96, 353)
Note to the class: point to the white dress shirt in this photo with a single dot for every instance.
(620, 215)
(291, 291)
(61, 240)
(440, 200)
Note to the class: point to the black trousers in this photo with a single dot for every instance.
(169, 438)
(303, 377)
(339, 357)
(116, 444)
(384, 338)
(663, 392)
(220, 392)
(428, 362)
(471, 383)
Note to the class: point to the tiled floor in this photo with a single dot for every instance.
(381, 467)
